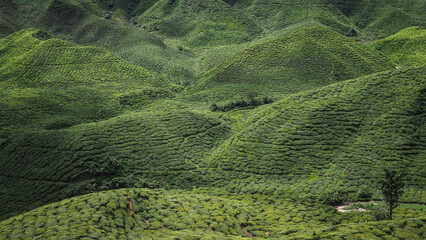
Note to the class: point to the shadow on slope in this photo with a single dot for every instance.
(156, 150)
(85, 22)
(381, 18)
(334, 138)
(277, 14)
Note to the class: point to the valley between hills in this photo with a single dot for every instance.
(211, 119)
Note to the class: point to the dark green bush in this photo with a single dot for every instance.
(364, 193)
(333, 197)
(252, 102)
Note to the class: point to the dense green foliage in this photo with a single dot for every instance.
(53, 82)
(161, 111)
(200, 23)
(392, 187)
(407, 47)
(83, 22)
(381, 18)
(277, 14)
(158, 214)
(136, 150)
(307, 58)
(331, 138)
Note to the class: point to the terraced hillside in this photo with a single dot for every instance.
(336, 137)
(54, 83)
(307, 58)
(141, 149)
(210, 119)
(407, 47)
(382, 18)
(200, 23)
(159, 214)
(85, 22)
(276, 14)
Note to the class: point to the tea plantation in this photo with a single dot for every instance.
(211, 119)
(153, 214)
(406, 48)
(307, 58)
(335, 137)
(200, 23)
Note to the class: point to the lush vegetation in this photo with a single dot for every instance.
(211, 119)
(406, 48)
(147, 214)
(200, 23)
(330, 138)
(307, 58)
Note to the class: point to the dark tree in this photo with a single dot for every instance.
(392, 187)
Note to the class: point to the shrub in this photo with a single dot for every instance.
(333, 197)
(363, 193)
(252, 102)
(381, 213)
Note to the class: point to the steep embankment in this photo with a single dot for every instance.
(407, 47)
(200, 23)
(307, 58)
(335, 138)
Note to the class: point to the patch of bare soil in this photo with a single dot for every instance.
(341, 208)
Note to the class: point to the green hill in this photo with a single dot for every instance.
(335, 137)
(200, 23)
(141, 149)
(85, 22)
(371, 19)
(381, 18)
(210, 119)
(306, 58)
(54, 83)
(159, 214)
(276, 14)
(407, 47)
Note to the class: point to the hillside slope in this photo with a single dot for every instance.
(276, 14)
(304, 59)
(140, 149)
(47, 82)
(85, 22)
(200, 23)
(159, 214)
(382, 18)
(407, 47)
(335, 137)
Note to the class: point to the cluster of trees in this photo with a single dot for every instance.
(391, 186)
(253, 102)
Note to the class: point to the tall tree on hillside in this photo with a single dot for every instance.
(392, 187)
